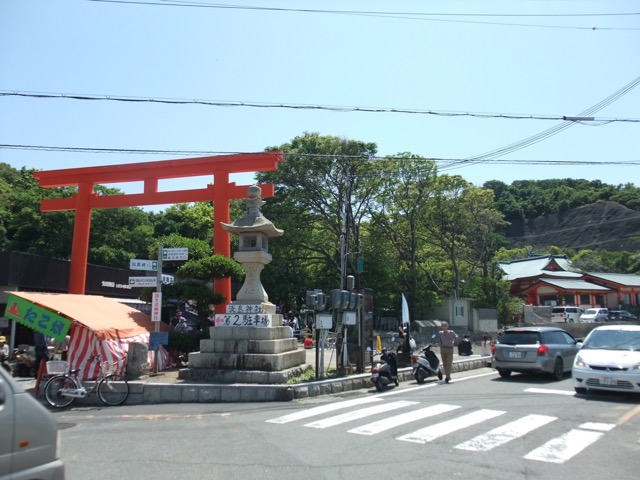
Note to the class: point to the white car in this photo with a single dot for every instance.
(566, 314)
(609, 360)
(592, 315)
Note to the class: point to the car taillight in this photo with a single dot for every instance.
(374, 369)
(493, 349)
(543, 350)
(414, 358)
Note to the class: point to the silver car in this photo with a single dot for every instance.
(609, 360)
(534, 349)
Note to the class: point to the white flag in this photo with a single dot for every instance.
(405, 311)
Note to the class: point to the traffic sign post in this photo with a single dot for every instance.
(166, 254)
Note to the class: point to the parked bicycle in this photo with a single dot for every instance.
(112, 388)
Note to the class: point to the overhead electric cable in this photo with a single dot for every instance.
(305, 155)
(422, 16)
(546, 133)
(331, 108)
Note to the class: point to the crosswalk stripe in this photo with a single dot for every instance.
(505, 433)
(557, 450)
(402, 419)
(432, 432)
(553, 392)
(561, 449)
(602, 427)
(322, 409)
(362, 413)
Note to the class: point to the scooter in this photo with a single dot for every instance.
(426, 365)
(384, 371)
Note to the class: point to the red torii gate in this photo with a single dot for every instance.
(150, 172)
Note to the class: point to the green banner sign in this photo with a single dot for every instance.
(36, 317)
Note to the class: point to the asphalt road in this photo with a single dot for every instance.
(478, 427)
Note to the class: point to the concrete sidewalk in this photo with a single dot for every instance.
(166, 387)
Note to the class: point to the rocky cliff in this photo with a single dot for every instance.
(599, 226)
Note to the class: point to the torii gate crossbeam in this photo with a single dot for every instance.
(220, 193)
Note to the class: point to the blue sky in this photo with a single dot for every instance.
(538, 63)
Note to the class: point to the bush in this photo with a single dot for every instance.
(187, 342)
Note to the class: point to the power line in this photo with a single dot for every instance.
(293, 106)
(422, 16)
(546, 133)
(127, 151)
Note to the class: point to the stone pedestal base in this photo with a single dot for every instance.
(246, 355)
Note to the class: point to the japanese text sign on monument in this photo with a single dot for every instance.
(243, 320)
(37, 318)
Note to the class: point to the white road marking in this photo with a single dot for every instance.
(432, 432)
(505, 433)
(547, 390)
(432, 384)
(561, 449)
(362, 413)
(601, 427)
(331, 407)
(402, 419)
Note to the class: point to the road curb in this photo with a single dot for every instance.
(148, 393)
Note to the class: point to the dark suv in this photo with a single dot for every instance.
(535, 349)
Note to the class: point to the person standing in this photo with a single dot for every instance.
(486, 345)
(42, 349)
(447, 339)
(5, 354)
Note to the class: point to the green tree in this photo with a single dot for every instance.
(189, 220)
(397, 216)
(195, 276)
(327, 183)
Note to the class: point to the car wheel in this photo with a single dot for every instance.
(580, 390)
(558, 369)
(504, 373)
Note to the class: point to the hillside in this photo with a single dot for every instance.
(599, 226)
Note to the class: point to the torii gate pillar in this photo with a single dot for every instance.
(150, 172)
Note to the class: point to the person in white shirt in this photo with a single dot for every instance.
(5, 354)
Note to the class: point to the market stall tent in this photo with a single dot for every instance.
(100, 326)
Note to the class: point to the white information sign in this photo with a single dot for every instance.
(349, 318)
(156, 306)
(149, 265)
(324, 321)
(143, 281)
(175, 254)
(243, 320)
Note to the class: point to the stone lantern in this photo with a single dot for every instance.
(248, 343)
(253, 230)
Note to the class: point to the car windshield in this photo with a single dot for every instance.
(520, 338)
(590, 311)
(613, 340)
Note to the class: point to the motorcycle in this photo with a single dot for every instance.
(426, 365)
(384, 371)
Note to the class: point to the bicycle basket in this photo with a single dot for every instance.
(57, 367)
(108, 368)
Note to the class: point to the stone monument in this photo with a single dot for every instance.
(248, 343)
